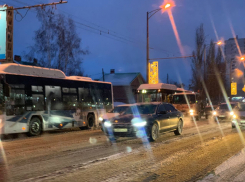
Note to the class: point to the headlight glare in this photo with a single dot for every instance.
(107, 124)
(191, 111)
(234, 116)
(231, 113)
(143, 123)
(100, 119)
(214, 113)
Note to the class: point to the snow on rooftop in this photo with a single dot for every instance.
(78, 78)
(157, 86)
(120, 79)
(12, 68)
(18, 69)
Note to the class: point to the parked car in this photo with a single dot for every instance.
(144, 120)
(238, 118)
(225, 112)
(208, 111)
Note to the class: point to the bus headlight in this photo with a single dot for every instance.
(231, 113)
(214, 113)
(100, 119)
(143, 123)
(107, 124)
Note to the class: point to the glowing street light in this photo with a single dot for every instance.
(219, 43)
(242, 58)
(165, 6)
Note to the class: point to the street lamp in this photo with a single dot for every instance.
(163, 7)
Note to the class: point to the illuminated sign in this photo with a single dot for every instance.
(153, 73)
(234, 88)
(3, 24)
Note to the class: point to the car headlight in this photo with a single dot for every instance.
(143, 123)
(234, 116)
(214, 113)
(107, 124)
(100, 119)
(138, 122)
(231, 113)
(191, 111)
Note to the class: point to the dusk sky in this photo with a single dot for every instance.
(127, 19)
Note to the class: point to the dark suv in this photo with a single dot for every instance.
(144, 120)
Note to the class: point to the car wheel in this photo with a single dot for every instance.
(91, 121)
(35, 127)
(154, 132)
(179, 129)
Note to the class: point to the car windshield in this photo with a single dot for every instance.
(181, 99)
(225, 107)
(242, 107)
(141, 109)
(118, 109)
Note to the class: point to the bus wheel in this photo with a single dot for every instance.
(35, 127)
(91, 121)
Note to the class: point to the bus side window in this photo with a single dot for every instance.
(15, 103)
(69, 98)
(53, 97)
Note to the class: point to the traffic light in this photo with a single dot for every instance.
(9, 34)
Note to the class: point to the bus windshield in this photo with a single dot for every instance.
(141, 109)
(180, 99)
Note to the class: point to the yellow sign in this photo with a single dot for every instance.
(234, 88)
(153, 73)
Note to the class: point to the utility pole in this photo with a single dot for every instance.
(204, 74)
(103, 74)
(7, 21)
(147, 48)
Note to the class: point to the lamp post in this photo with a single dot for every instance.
(149, 15)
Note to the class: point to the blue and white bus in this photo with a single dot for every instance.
(35, 99)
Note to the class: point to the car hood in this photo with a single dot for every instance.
(108, 116)
(125, 119)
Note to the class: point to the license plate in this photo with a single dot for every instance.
(120, 130)
(222, 116)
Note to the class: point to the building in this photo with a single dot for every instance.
(235, 65)
(17, 59)
(124, 85)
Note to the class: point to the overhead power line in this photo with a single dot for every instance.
(173, 57)
(99, 30)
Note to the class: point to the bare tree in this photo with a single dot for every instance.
(57, 44)
(197, 60)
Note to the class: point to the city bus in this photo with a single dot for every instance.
(35, 99)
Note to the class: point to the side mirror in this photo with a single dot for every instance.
(162, 112)
(6, 90)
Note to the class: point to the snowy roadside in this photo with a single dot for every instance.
(230, 170)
